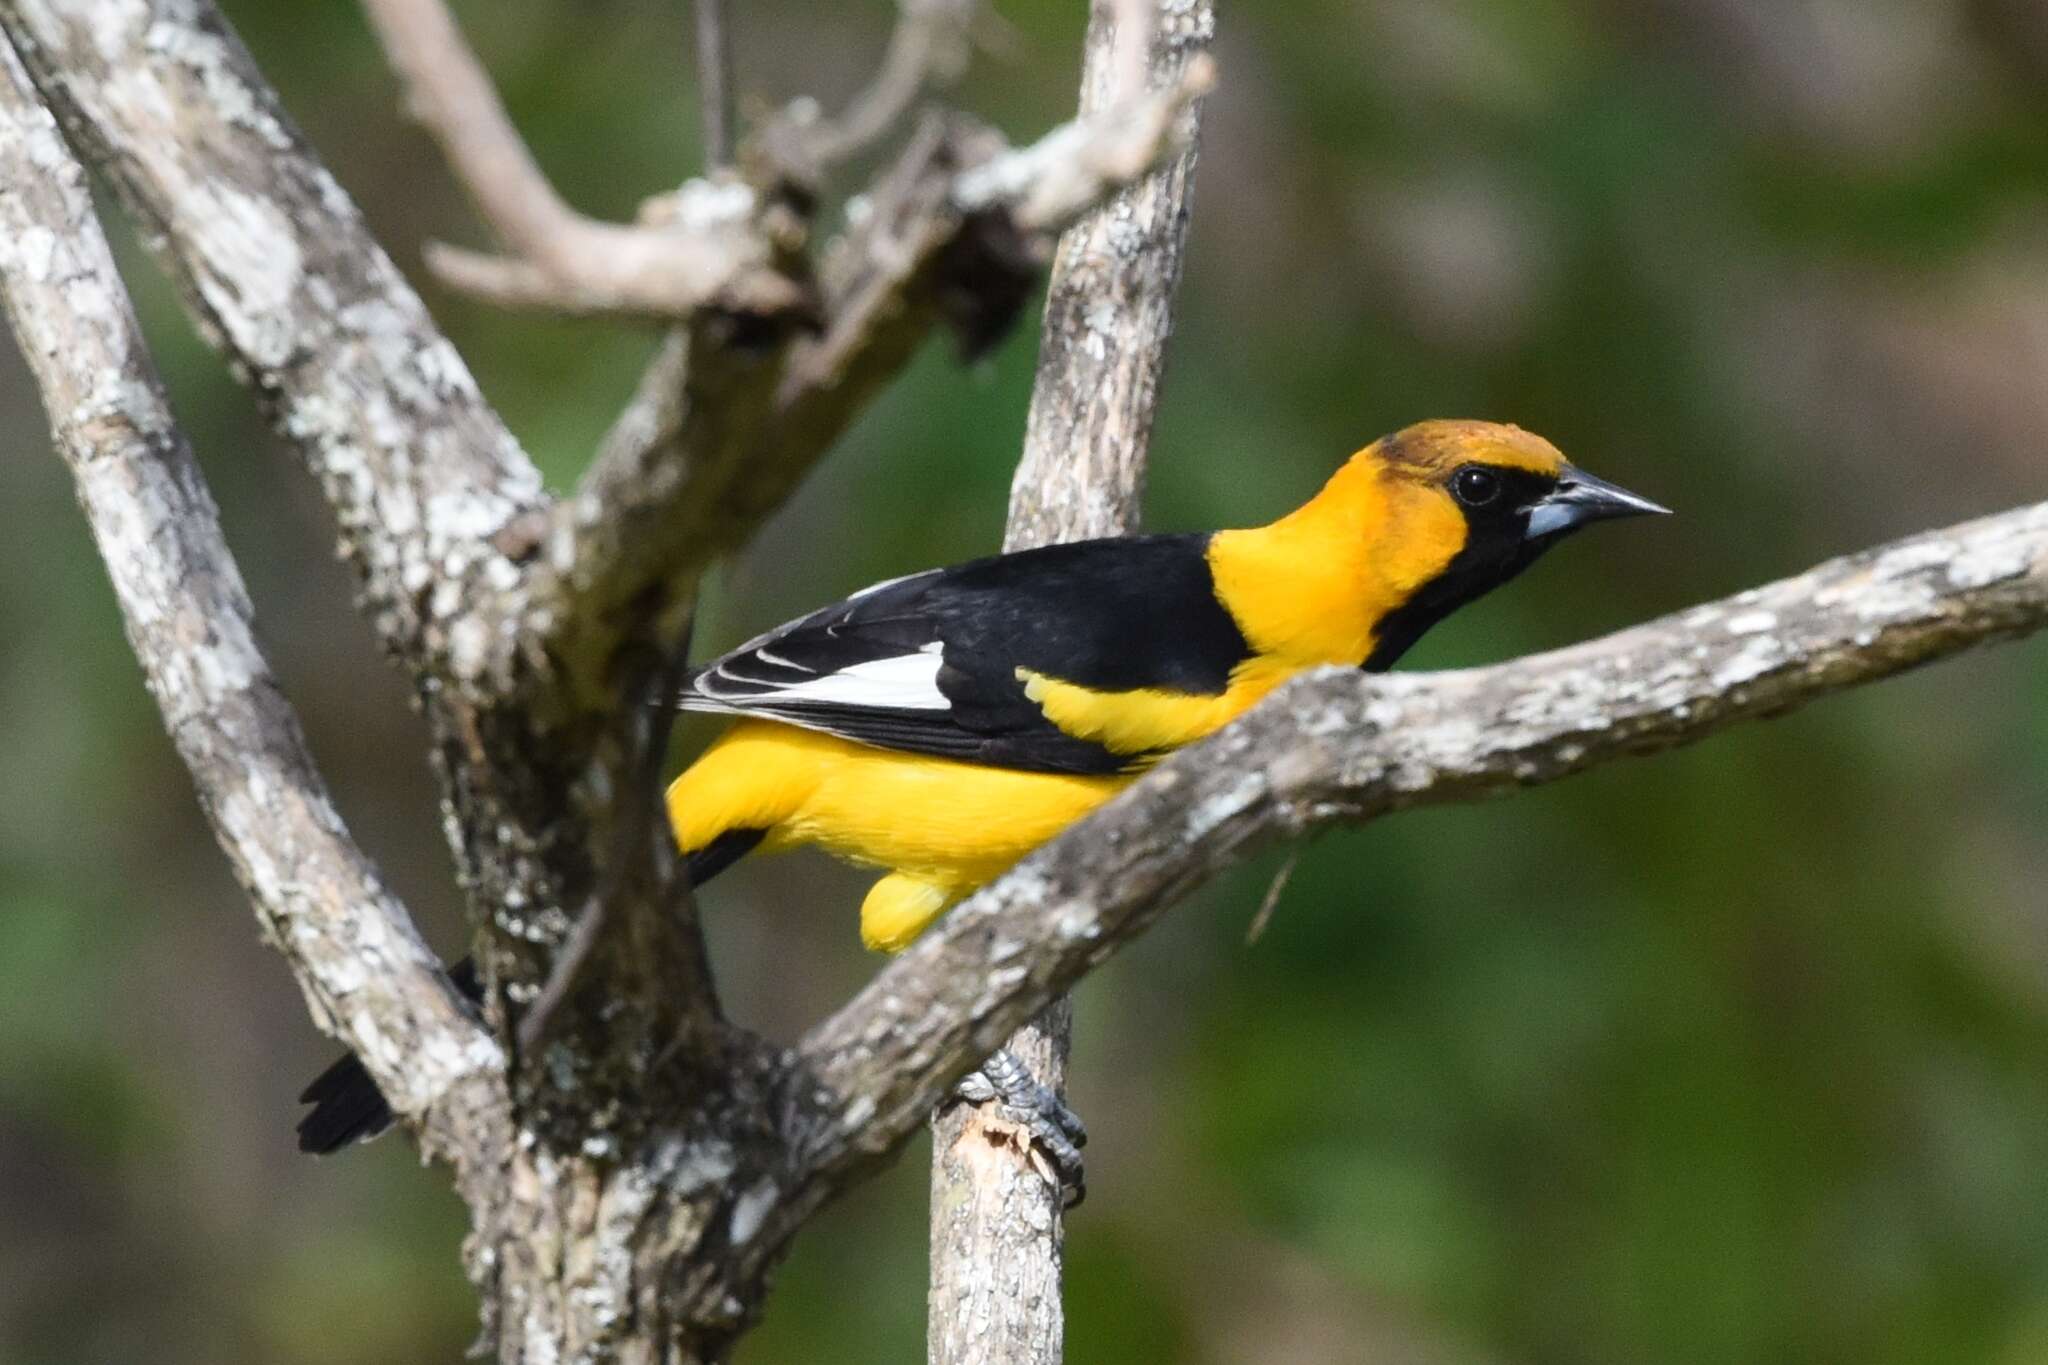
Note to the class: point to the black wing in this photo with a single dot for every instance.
(929, 663)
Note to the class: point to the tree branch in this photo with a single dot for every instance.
(656, 507)
(275, 262)
(1340, 746)
(367, 976)
(1092, 430)
(929, 44)
(714, 82)
(997, 1225)
(1075, 167)
(662, 502)
(703, 247)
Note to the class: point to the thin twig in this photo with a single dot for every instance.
(714, 83)
(1261, 917)
(704, 246)
(450, 93)
(929, 45)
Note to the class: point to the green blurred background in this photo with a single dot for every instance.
(1739, 1055)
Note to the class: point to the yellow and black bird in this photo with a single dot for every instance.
(941, 726)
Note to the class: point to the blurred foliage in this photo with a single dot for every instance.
(1740, 1055)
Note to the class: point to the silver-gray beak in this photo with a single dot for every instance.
(1580, 498)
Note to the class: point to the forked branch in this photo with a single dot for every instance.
(365, 972)
(708, 245)
(683, 478)
(284, 278)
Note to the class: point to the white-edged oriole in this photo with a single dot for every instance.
(938, 727)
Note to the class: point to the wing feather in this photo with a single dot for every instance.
(930, 663)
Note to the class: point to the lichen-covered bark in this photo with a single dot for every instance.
(276, 263)
(428, 491)
(1108, 312)
(367, 975)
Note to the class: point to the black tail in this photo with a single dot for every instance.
(348, 1107)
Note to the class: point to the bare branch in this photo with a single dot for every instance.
(1344, 747)
(367, 977)
(448, 91)
(1124, 261)
(661, 501)
(702, 248)
(1055, 180)
(997, 1225)
(277, 265)
(714, 83)
(928, 46)
(914, 260)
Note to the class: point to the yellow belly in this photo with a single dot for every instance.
(942, 824)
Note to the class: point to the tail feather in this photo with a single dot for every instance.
(348, 1107)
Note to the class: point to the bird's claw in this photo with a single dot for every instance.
(1021, 1099)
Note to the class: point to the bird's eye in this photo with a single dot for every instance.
(1474, 486)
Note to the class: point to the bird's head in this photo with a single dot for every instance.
(1511, 492)
(1465, 506)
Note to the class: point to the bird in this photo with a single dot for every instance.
(936, 728)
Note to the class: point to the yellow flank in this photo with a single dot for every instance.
(1147, 719)
(939, 824)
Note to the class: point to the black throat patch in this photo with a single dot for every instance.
(1496, 549)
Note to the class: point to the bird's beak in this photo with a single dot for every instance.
(1580, 498)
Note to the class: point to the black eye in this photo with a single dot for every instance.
(1475, 486)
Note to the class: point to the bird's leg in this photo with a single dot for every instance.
(1025, 1101)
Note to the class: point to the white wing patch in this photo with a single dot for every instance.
(902, 682)
(905, 682)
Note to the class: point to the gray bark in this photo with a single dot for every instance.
(367, 975)
(997, 1225)
(278, 269)
(1108, 314)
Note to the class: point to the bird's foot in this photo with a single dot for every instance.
(1020, 1098)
